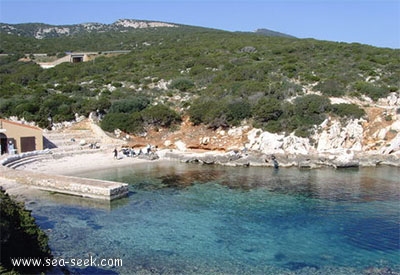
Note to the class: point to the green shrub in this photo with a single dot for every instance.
(273, 126)
(197, 111)
(266, 109)
(237, 110)
(371, 90)
(135, 123)
(20, 236)
(330, 87)
(307, 111)
(130, 123)
(160, 115)
(31, 106)
(212, 113)
(58, 107)
(309, 105)
(116, 84)
(112, 121)
(182, 84)
(289, 69)
(308, 77)
(129, 105)
(348, 110)
(303, 132)
(63, 113)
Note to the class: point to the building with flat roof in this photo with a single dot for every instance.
(19, 138)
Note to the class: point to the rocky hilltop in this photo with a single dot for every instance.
(40, 31)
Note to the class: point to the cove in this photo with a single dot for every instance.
(205, 219)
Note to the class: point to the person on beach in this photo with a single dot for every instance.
(276, 164)
(11, 149)
(148, 149)
(133, 153)
(115, 153)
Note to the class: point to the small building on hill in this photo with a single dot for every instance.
(19, 138)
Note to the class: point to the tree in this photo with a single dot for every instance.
(112, 121)
(160, 115)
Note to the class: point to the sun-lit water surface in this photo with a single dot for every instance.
(194, 219)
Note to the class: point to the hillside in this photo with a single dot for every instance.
(272, 33)
(206, 78)
(41, 31)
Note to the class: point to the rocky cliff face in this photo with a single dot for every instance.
(340, 143)
(379, 133)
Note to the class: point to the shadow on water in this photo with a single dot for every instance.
(373, 234)
(351, 185)
(336, 185)
(45, 222)
(180, 180)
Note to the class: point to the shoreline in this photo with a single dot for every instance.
(70, 165)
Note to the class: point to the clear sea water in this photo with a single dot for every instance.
(199, 219)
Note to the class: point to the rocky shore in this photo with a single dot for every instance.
(339, 143)
(272, 160)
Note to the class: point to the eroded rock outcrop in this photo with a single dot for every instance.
(336, 142)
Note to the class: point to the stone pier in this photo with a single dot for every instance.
(90, 188)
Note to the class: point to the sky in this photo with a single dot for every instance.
(372, 22)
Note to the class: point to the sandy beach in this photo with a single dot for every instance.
(71, 164)
(68, 165)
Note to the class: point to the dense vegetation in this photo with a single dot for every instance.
(217, 78)
(20, 237)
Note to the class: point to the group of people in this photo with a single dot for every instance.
(131, 152)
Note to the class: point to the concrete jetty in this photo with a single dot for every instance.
(90, 188)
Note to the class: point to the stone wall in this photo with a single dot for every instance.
(90, 188)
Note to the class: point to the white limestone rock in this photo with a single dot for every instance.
(339, 137)
(204, 140)
(180, 145)
(297, 145)
(392, 147)
(265, 142)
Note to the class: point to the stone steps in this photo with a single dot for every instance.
(12, 161)
(25, 160)
(62, 139)
(73, 141)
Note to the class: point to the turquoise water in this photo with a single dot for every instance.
(198, 219)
